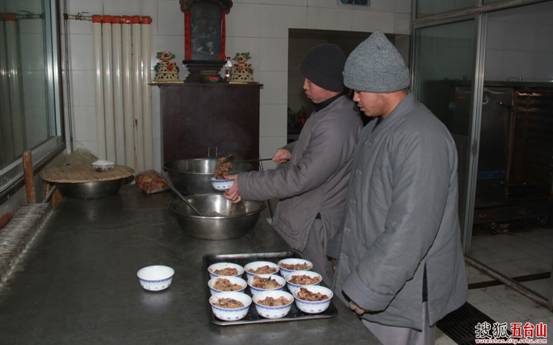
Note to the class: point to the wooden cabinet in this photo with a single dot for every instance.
(202, 120)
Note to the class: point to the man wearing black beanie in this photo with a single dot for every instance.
(312, 186)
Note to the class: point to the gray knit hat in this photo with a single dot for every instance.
(375, 65)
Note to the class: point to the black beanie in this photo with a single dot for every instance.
(323, 65)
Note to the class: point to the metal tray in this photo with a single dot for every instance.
(252, 317)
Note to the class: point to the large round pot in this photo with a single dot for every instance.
(191, 176)
(92, 190)
(220, 219)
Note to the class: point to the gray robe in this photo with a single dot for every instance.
(402, 217)
(315, 180)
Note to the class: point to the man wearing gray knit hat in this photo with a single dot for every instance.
(400, 265)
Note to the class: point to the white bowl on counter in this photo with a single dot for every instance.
(233, 280)
(221, 184)
(155, 277)
(230, 314)
(255, 290)
(314, 307)
(221, 266)
(272, 312)
(285, 272)
(252, 266)
(103, 165)
(294, 287)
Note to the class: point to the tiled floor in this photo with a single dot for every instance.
(513, 254)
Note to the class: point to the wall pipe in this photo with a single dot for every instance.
(108, 88)
(100, 121)
(128, 108)
(119, 120)
(137, 92)
(146, 93)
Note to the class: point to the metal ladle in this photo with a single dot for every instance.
(172, 187)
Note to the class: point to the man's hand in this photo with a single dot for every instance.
(282, 156)
(357, 309)
(233, 193)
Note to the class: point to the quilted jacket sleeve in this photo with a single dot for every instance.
(318, 162)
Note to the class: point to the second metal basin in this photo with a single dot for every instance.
(220, 219)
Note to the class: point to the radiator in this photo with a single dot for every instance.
(122, 58)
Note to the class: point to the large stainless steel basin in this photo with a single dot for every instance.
(220, 219)
(92, 190)
(191, 176)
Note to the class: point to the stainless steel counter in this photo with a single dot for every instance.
(78, 284)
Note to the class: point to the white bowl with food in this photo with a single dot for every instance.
(225, 269)
(273, 304)
(299, 279)
(221, 184)
(313, 299)
(259, 284)
(289, 265)
(155, 277)
(226, 284)
(230, 306)
(249, 277)
(260, 267)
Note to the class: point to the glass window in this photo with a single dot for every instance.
(428, 7)
(28, 82)
(444, 72)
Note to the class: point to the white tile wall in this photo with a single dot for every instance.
(402, 23)
(86, 118)
(82, 51)
(272, 122)
(258, 26)
(83, 89)
(274, 87)
(368, 21)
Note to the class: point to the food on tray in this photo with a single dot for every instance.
(275, 302)
(304, 280)
(223, 167)
(227, 271)
(263, 270)
(223, 284)
(296, 267)
(307, 295)
(265, 283)
(228, 303)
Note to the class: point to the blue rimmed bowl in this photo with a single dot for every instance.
(256, 290)
(233, 280)
(314, 307)
(155, 277)
(219, 266)
(230, 314)
(294, 286)
(253, 267)
(221, 184)
(286, 266)
(273, 312)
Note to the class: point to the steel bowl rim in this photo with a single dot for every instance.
(172, 207)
